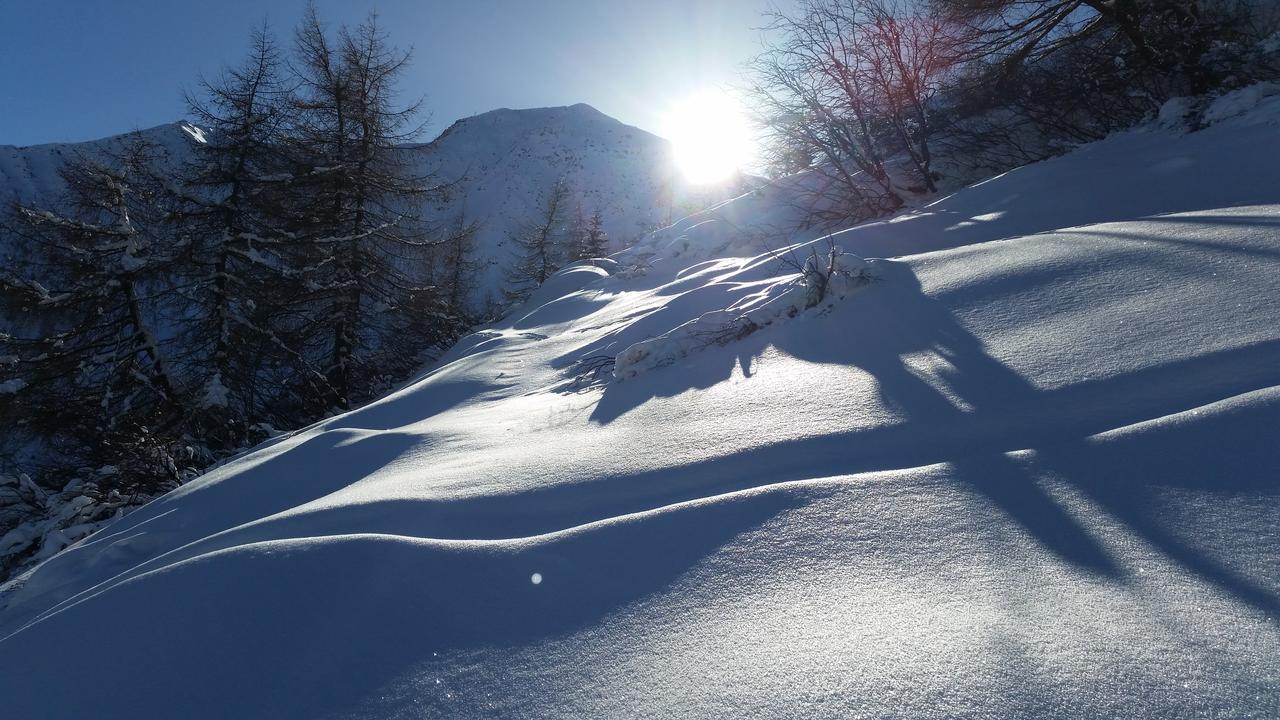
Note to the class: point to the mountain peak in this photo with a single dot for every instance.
(572, 117)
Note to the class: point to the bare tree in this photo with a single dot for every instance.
(807, 96)
(909, 57)
(358, 202)
(849, 83)
(1183, 43)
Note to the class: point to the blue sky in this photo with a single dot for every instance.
(80, 69)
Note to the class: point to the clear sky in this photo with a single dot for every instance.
(80, 69)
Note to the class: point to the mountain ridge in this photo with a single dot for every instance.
(501, 162)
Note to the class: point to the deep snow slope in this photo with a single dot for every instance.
(1026, 468)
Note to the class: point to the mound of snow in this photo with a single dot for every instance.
(1242, 101)
(821, 282)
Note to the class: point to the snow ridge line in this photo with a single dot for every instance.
(795, 487)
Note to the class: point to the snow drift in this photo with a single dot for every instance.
(1025, 468)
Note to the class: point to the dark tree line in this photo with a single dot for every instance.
(871, 94)
(162, 320)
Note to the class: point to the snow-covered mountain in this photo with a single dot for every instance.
(501, 165)
(1026, 468)
(506, 162)
(30, 173)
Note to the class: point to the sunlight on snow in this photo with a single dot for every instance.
(196, 133)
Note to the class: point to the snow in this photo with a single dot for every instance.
(763, 302)
(31, 173)
(197, 134)
(506, 161)
(1239, 102)
(1175, 113)
(215, 393)
(1025, 467)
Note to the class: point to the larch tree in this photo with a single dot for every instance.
(456, 269)
(242, 264)
(357, 199)
(97, 378)
(594, 243)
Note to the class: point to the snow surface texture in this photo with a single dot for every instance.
(1027, 469)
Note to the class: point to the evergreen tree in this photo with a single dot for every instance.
(541, 243)
(594, 243)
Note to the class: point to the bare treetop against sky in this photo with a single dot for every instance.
(75, 70)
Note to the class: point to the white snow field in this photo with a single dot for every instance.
(1028, 468)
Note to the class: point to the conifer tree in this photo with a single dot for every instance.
(98, 380)
(356, 219)
(457, 269)
(542, 244)
(243, 263)
(595, 243)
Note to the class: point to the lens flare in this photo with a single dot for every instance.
(710, 136)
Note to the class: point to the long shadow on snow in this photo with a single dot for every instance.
(1006, 414)
(323, 626)
(196, 518)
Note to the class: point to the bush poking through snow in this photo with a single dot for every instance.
(838, 271)
(822, 280)
(589, 372)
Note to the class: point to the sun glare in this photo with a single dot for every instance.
(710, 136)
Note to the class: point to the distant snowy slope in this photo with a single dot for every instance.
(508, 160)
(30, 173)
(504, 162)
(1027, 468)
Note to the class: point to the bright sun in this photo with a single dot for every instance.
(710, 136)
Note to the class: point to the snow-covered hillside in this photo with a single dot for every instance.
(29, 174)
(501, 165)
(508, 161)
(1026, 468)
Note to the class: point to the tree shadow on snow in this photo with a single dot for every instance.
(329, 626)
(959, 405)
